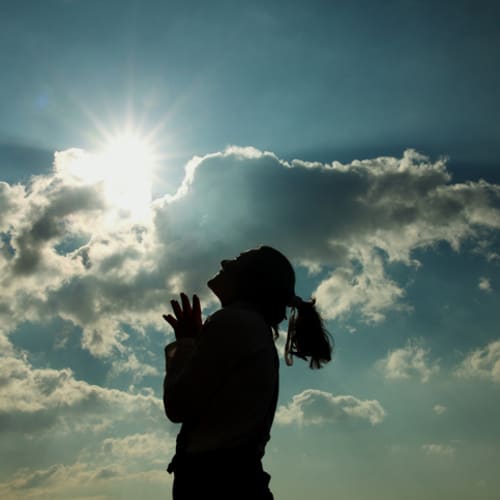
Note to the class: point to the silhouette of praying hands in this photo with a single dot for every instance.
(187, 322)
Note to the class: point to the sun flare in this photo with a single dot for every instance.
(124, 165)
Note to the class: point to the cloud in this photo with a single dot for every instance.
(371, 292)
(35, 400)
(46, 479)
(482, 363)
(139, 446)
(312, 407)
(441, 450)
(485, 284)
(11, 200)
(70, 419)
(84, 481)
(439, 409)
(409, 361)
(67, 252)
(132, 365)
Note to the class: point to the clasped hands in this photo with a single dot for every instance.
(187, 322)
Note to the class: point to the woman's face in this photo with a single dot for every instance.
(226, 282)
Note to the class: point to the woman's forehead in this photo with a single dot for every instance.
(248, 253)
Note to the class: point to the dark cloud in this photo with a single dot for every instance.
(49, 222)
(338, 217)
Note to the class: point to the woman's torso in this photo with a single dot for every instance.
(240, 411)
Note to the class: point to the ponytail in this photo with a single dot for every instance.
(307, 337)
(265, 278)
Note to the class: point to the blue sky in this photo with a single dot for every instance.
(142, 142)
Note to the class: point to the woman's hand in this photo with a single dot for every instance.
(187, 322)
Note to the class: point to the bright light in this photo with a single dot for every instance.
(125, 167)
(128, 161)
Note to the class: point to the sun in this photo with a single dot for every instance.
(123, 165)
(128, 151)
(128, 160)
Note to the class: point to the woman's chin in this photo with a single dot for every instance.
(219, 291)
(212, 284)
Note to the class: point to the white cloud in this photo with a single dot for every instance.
(11, 200)
(149, 446)
(317, 407)
(369, 290)
(441, 450)
(42, 408)
(84, 481)
(439, 409)
(57, 473)
(132, 365)
(6, 347)
(34, 400)
(61, 256)
(485, 284)
(66, 253)
(409, 361)
(482, 363)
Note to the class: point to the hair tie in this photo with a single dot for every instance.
(295, 302)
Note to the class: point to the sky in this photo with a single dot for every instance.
(142, 142)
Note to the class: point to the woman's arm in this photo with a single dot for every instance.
(196, 367)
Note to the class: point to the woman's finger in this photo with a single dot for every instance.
(197, 311)
(186, 306)
(170, 320)
(176, 308)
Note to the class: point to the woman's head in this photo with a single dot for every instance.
(262, 276)
(265, 277)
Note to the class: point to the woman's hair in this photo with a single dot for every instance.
(268, 281)
(307, 336)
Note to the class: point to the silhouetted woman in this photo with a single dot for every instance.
(221, 378)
